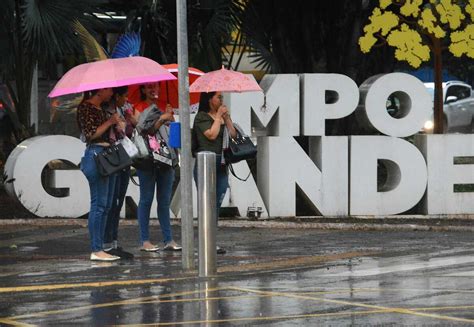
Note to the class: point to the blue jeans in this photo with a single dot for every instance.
(120, 190)
(222, 182)
(101, 192)
(163, 178)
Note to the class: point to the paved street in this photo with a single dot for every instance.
(270, 276)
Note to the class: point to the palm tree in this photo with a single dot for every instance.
(210, 25)
(309, 36)
(34, 34)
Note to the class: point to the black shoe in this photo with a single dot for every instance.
(221, 250)
(119, 252)
(124, 254)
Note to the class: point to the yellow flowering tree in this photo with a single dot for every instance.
(419, 28)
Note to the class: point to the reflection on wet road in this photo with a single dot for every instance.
(284, 278)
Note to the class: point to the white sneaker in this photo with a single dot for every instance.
(152, 248)
(95, 257)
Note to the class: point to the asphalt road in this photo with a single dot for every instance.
(269, 277)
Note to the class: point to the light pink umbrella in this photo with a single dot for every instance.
(110, 73)
(224, 80)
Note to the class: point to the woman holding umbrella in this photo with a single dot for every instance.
(154, 176)
(95, 127)
(100, 76)
(211, 120)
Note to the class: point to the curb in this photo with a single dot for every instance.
(346, 224)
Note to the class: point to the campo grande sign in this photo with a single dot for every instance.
(338, 174)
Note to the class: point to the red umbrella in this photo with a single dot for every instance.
(169, 91)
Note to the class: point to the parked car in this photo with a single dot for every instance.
(458, 108)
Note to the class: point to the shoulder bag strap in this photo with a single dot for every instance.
(132, 178)
(231, 169)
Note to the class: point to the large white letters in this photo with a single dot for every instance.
(24, 167)
(283, 164)
(441, 151)
(414, 107)
(406, 175)
(315, 110)
(277, 113)
(338, 175)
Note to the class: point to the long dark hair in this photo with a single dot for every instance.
(120, 90)
(141, 88)
(89, 94)
(117, 91)
(204, 101)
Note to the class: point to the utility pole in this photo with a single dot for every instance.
(187, 226)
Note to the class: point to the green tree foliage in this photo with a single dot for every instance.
(210, 24)
(35, 32)
(311, 36)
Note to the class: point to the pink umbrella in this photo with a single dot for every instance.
(224, 80)
(110, 73)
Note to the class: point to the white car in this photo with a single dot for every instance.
(458, 108)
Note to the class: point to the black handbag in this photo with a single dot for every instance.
(112, 159)
(240, 148)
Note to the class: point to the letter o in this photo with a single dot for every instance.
(415, 103)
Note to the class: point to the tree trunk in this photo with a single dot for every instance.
(34, 119)
(438, 91)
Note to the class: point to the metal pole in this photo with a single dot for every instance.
(207, 212)
(187, 229)
(208, 304)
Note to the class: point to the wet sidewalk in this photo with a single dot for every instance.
(270, 276)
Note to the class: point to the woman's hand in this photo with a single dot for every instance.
(115, 119)
(169, 110)
(167, 116)
(112, 121)
(222, 111)
(228, 122)
(226, 117)
(122, 125)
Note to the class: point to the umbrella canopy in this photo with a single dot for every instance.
(169, 93)
(224, 80)
(110, 73)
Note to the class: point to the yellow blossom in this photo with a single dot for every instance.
(385, 3)
(409, 47)
(470, 9)
(428, 21)
(450, 13)
(462, 42)
(411, 8)
(366, 42)
(380, 22)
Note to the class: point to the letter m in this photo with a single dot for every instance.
(274, 113)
